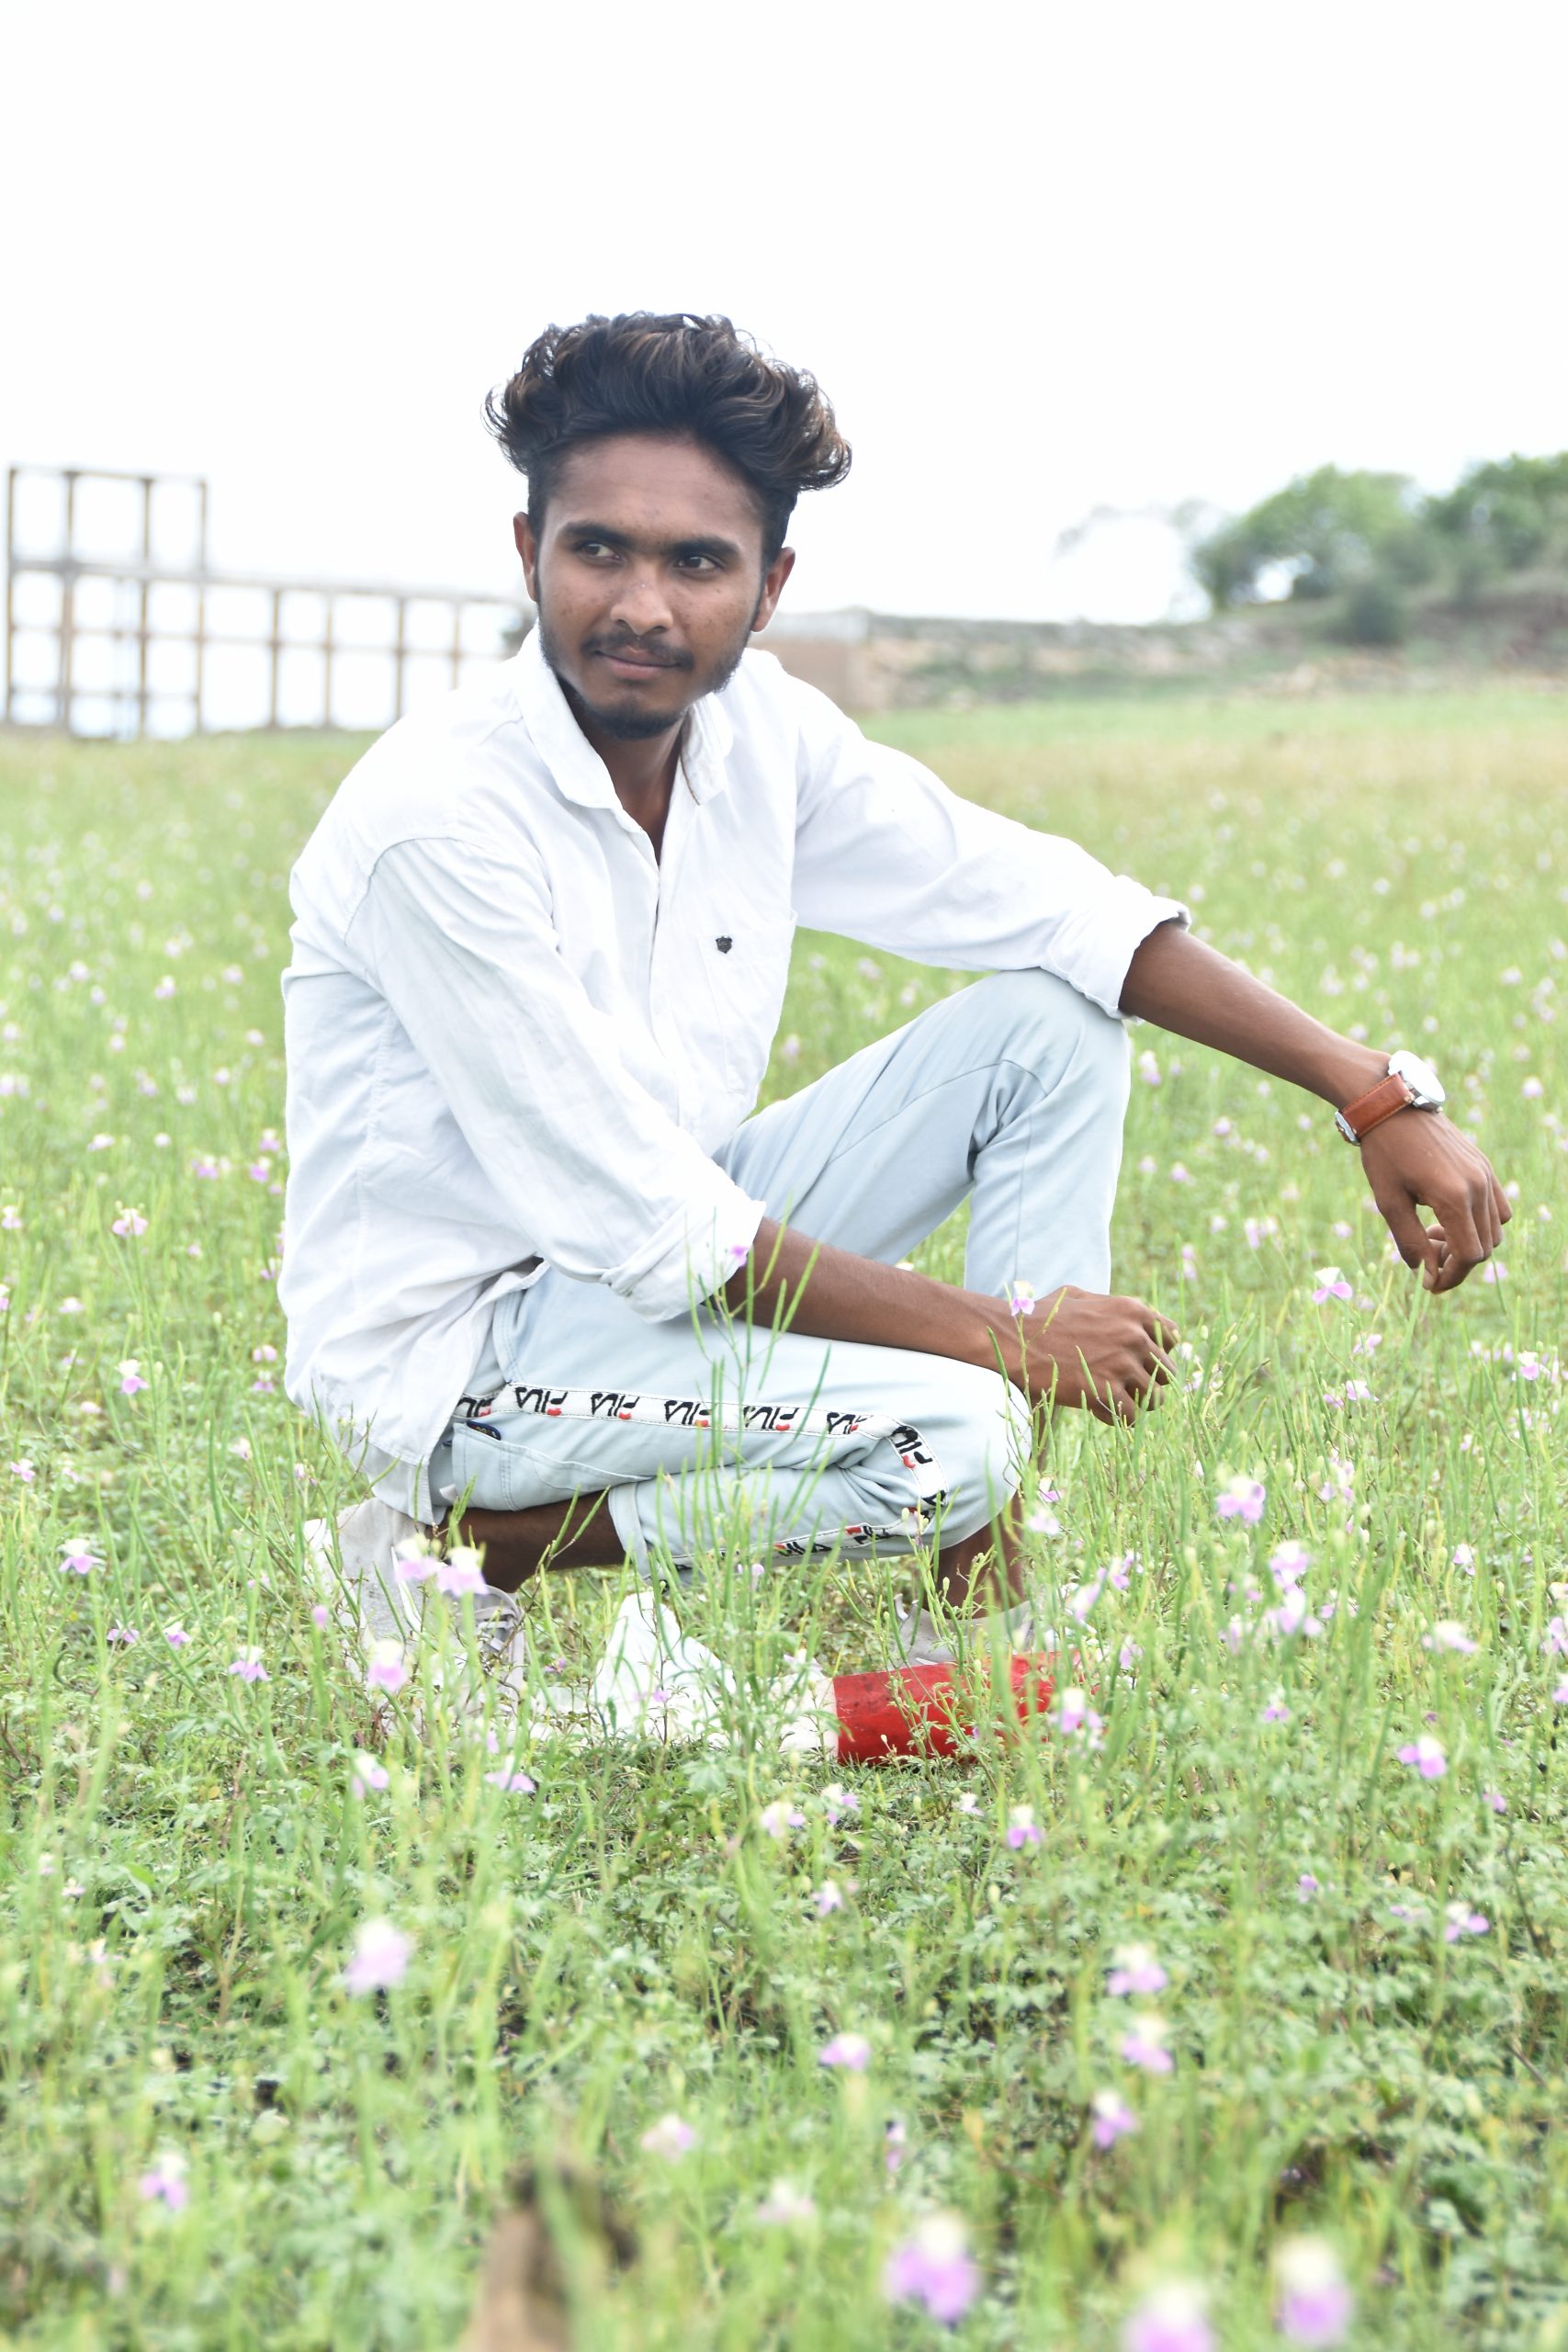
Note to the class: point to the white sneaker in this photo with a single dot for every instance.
(921, 1643)
(382, 1617)
(353, 1562)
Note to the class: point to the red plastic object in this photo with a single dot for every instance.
(920, 1711)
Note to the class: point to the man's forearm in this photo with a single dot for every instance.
(827, 1294)
(1183, 985)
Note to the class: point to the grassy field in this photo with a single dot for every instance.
(210, 2140)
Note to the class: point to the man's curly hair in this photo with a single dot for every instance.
(691, 377)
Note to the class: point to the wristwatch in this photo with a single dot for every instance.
(1411, 1084)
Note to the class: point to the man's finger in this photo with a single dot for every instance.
(1410, 1236)
(1501, 1201)
(1459, 1231)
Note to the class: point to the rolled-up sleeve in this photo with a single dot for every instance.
(462, 946)
(886, 854)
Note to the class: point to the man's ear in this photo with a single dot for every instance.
(528, 548)
(774, 580)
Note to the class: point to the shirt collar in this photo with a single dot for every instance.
(570, 757)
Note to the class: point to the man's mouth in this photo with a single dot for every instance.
(635, 661)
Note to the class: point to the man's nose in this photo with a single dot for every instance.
(641, 602)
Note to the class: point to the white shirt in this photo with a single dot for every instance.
(514, 1037)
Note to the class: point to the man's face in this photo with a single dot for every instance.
(649, 579)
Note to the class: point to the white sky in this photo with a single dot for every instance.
(1044, 258)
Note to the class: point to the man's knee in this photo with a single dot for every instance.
(1044, 1022)
(1037, 1005)
(986, 1441)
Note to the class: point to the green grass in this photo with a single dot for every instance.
(184, 1863)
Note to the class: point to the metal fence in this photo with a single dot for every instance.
(117, 624)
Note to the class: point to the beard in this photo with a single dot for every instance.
(626, 722)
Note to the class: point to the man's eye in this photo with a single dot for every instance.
(698, 563)
(593, 548)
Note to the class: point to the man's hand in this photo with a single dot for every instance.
(1078, 1347)
(1415, 1160)
(1073, 1347)
(1419, 1160)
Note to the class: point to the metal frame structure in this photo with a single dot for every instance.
(69, 562)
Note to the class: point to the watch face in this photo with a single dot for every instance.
(1420, 1077)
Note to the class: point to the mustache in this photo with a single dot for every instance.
(633, 648)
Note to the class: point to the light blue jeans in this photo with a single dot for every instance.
(713, 1435)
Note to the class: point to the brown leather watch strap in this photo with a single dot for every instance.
(1358, 1118)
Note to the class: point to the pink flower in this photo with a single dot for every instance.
(515, 1785)
(933, 2267)
(1314, 2306)
(320, 1615)
(459, 1572)
(851, 2051)
(1113, 2119)
(130, 1225)
(1554, 1641)
(1022, 1830)
(380, 1958)
(413, 1566)
(828, 1897)
(1144, 2045)
(24, 1471)
(1331, 1284)
(1134, 1968)
(1020, 1297)
(365, 1773)
(669, 2137)
(76, 1560)
(165, 989)
(1463, 1921)
(248, 1666)
(1170, 2320)
(1242, 1498)
(970, 1804)
(1072, 1710)
(776, 1820)
(1446, 1635)
(131, 1381)
(386, 1669)
(1426, 1755)
(1532, 1090)
(1306, 1887)
(125, 1636)
(176, 1636)
(165, 2183)
(837, 1802)
(1288, 1564)
(893, 2140)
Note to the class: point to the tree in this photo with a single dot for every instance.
(1324, 532)
(1505, 515)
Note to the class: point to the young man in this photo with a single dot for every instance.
(541, 1265)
